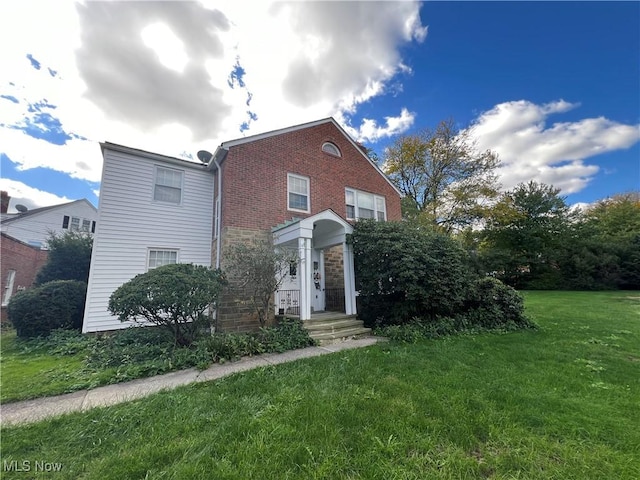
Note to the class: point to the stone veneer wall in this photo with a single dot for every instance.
(334, 267)
(234, 314)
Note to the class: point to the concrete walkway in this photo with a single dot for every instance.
(34, 410)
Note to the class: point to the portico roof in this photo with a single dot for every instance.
(326, 228)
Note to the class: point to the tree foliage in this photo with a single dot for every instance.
(444, 178)
(38, 311)
(174, 297)
(258, 269)
(525, 232)
(69, 258)
(533, 239)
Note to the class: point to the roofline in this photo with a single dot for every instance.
(3, 234)
(151, 155)
(224, 146)
(273, 133)
(37, 211)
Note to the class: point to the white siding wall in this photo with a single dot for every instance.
(35, 228)
(130, 223)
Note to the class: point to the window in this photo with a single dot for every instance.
(78, 224)
(157, 258)
(8, 287)
(298, 193)
(168, 186)
(364, 205)
(331, 148)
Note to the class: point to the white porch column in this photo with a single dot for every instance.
(306, 269)
(349, 280)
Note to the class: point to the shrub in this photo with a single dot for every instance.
(494, 305)
(405, 271)
(174, 297)
(69, 258)
(40, 310)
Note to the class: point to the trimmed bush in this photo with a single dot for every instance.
(174, 297)
(53, 305)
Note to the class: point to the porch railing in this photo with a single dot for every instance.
(288, 302)
(334, 299)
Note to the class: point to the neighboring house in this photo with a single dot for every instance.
(304, 186)
(20, 264)
(33, 227)
(24, 239)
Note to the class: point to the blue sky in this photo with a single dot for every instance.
(552, 87)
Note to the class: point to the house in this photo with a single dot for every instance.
(33, 227)
(304, 186)
(24, 240)
(20, 265)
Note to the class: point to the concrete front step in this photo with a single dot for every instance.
(328, 327)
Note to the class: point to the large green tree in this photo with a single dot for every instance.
(443, 176)
(525, 233)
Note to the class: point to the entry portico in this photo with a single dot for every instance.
(311, 236)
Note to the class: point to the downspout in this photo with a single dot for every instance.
(218, 157)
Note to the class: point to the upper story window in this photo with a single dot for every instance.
(297, 193)
(157, 258)
(331, 148)
(77, 224)
(365, 205)
(168, 185)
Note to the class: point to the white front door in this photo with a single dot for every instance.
(317, 280)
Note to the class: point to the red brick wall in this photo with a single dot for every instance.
(24, 259)
(255, 177)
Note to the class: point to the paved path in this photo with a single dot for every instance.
(34, 410)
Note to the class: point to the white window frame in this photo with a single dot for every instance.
(74, 224)
(163, 251)
(157, 170)
(293, 176)
(379, 204)
(8, 287)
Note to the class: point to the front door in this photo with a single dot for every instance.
(317, 280)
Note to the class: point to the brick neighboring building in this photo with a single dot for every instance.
(20, 264)
(304, 186)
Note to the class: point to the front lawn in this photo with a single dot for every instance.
(557, 402)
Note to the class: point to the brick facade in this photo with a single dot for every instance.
(254, 185)
(254, 197)
(22, 258)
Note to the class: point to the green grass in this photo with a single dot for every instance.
(29, 370)
(557, 402)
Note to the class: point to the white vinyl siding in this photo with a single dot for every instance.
(298, 193)
(131, 223)
(168, 185)
(158, 258)
(361, 205)
(35, 227)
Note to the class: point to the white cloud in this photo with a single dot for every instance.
(104, 73)
(531, 150)
(370, 131)
(22, 194)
